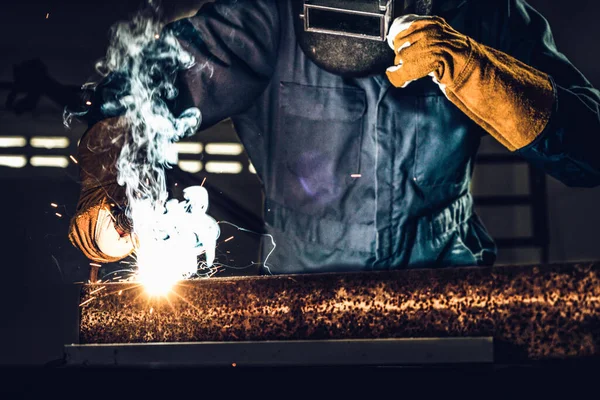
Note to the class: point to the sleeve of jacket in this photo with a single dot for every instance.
(567, 148)
(235, 44)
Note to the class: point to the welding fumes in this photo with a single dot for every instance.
(169, 234)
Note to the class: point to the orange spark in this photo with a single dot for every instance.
(88, 103)
(87, 301)
(203, 180)
(74, 160)
(355, 175)
(47, 15)
(228, 239)
(54, 205)
(58, 215)
(98, 290)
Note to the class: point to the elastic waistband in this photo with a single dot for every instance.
(363, 237)
(435, 225)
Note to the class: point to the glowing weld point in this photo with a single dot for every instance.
(74, 160)
(54, 205)
(156, 285)
(58, 215)
(356, 175)
(171, 239)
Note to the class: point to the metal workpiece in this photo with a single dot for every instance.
(532, 312)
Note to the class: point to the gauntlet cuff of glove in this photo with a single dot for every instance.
(509, 99)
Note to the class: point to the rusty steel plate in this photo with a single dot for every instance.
(537, 312)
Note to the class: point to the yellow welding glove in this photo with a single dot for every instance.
(509, 99)
(92, 229)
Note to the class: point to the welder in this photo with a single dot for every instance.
(363, 118)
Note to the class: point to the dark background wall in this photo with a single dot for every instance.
(36, 256)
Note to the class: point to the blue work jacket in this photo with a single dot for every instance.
(360, 175)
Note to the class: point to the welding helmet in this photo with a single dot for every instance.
(348, 37)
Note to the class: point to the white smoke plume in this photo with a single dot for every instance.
(170, 234)
(148, 59)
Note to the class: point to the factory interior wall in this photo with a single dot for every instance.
(35, 249)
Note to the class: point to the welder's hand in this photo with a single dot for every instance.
(512, 101)
(426, 46)
(92, 229)
(94, 232)
(110, 240)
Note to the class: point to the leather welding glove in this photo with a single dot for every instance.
(92, 229)
(509, 99)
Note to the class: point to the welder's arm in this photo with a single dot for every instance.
(509, 99)
(568, 147)
(92, 229)
(544, 110)
(235, 44)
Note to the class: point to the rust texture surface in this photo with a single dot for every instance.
(543, 311)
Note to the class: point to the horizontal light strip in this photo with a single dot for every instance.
(252, 169)
(224, 149)
(13, 141)
(223, 167)
(13, 161)
(190, 166)
(188, 148)
(49, 142)
(49, 161)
